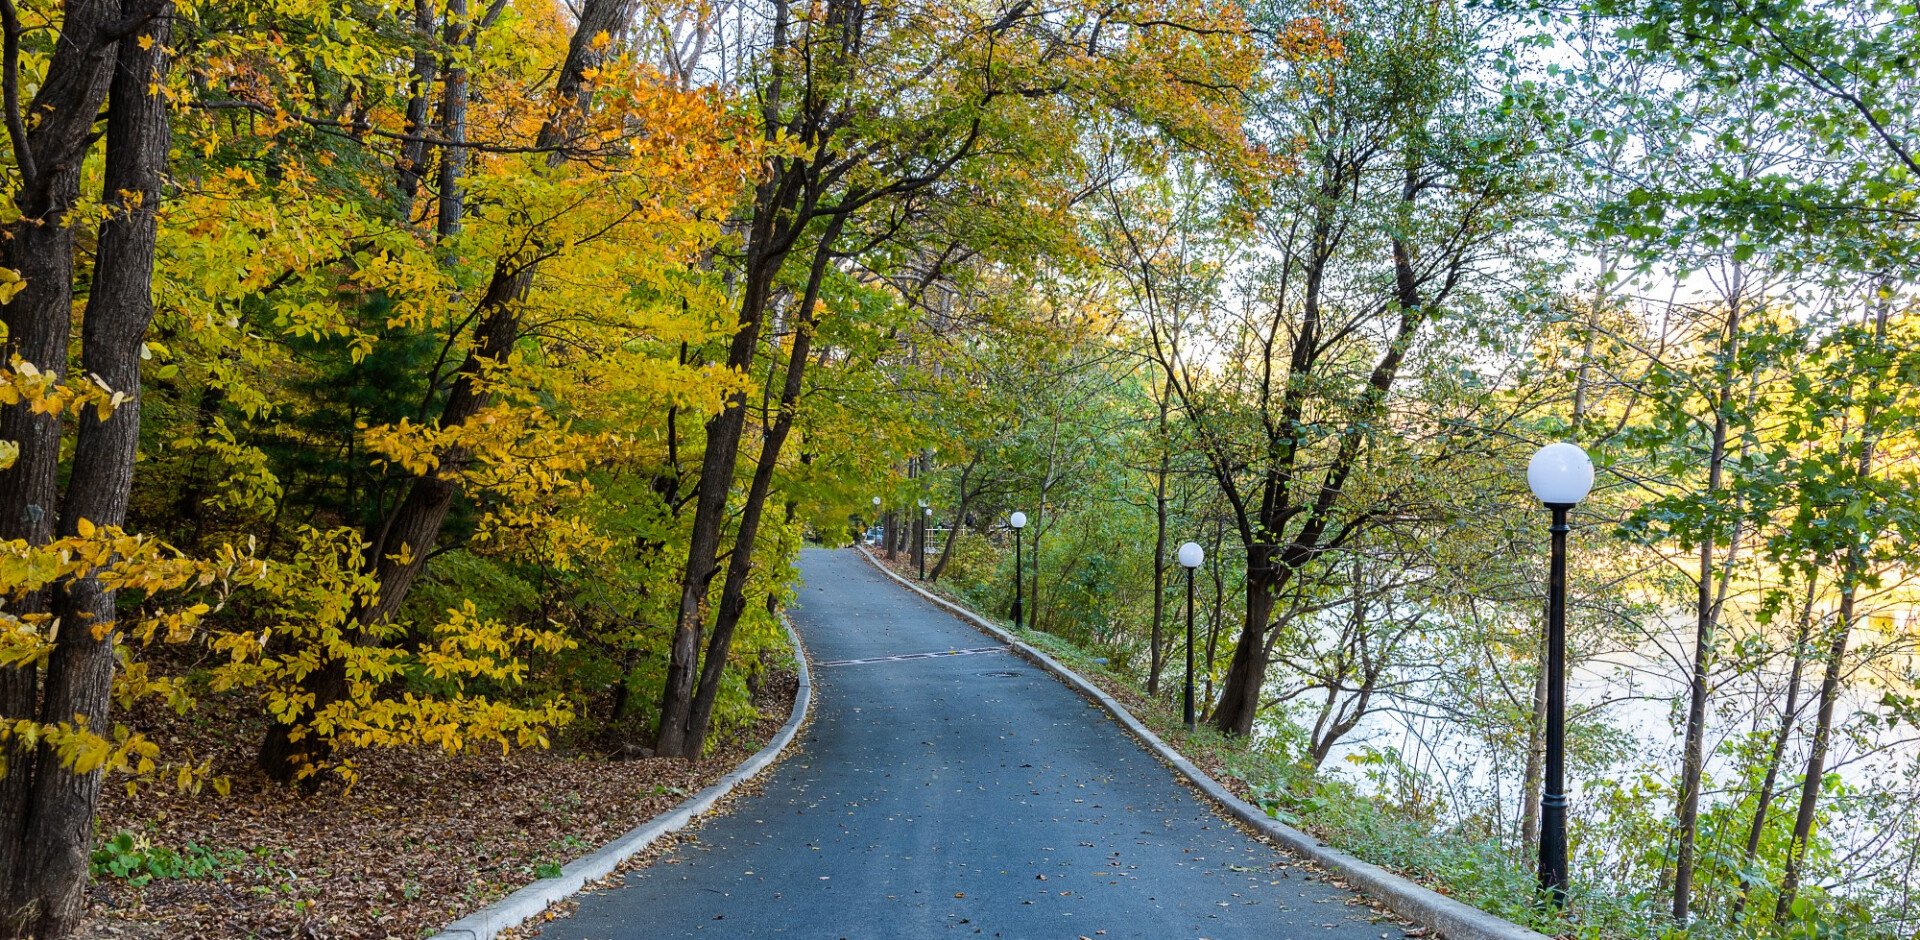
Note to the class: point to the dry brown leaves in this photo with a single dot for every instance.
(424, 838)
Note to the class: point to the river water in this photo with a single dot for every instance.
(1640, 694)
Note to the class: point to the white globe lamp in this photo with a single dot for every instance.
(1560, 474)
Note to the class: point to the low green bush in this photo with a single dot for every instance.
(136, 861)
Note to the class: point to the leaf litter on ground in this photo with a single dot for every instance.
(423, 838)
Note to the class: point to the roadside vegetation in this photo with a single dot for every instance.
(1387, 812)
(387, 386)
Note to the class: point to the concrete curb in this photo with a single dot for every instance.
(1445, 916)
(533, 900)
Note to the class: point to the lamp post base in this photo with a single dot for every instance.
(1553, 848)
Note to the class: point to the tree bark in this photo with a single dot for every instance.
(1240, 691)
(412, 165)
(1271, 569)
(1816, 769)
(453, 121)
(733, 590)
(397, 552)
(1039, 524)
(1789, 714)
(959, 518)
(1706, 621)
(48, 890)
(48, 155)
(1156, 656)
(767, 251)
(1835, 668)
(1335, 722)
(1217, 616)
(783, 204)
(1533, 784)
(1276, 567)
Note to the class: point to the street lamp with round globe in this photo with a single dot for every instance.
(1191, 557)
(1560, 476)
(920, 538)
(1016, 522)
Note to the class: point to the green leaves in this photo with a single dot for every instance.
(137, 861)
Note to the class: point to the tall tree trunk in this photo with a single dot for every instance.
(1240, 693)
(1033, 571)
(733, 591)
(49, 886)
(910, 534)
(397, 553)
(1038, 522)
(1789, 713)
(774, 200)
(412, 165)
(1533, 784)
(453, 121)
(1816, 769)
(1706, 621)
(783, 204)
(1851, 577)
(1156, 653)
(398, 549)
(1693, 753)
(965, 499)
(38, 322)
(1270, 568)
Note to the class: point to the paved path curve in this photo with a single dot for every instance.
(959, 795)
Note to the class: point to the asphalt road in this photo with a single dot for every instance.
(959, 795)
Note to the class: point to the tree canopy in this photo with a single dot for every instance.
(467, 376)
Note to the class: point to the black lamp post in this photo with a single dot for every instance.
(1191, 556)
(1560, 476)
(926, 519)
(1017, 521)
(876, 517)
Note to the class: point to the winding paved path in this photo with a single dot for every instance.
(959, 795)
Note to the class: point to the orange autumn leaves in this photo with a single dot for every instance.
(1315, 36)
(279, 251)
